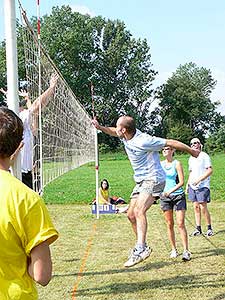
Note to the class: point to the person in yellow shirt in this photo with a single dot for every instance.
(103, 194)
(26, 229)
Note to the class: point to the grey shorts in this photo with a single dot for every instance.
(199, 195)
(176, 202)
(148, 187)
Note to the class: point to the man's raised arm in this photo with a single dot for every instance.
(108, 130)
(45, 97)
(182, 147)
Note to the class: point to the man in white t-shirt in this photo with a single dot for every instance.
(29, 113)
(142, 150)
(200, 169)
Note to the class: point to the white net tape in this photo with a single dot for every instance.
(65, 138)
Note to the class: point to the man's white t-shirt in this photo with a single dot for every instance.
(27, 149)
(142, 151)
(197, 167)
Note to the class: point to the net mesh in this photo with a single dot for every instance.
(62, 130)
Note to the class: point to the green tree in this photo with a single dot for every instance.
(185, 105)
(216, 141)
(102, 51)
(3, 78)
(21, 62)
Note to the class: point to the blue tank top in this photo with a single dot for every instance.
(171, 177)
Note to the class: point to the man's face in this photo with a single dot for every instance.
(195, 145)
(120, 130)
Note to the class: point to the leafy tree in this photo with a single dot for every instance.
(216, 141)
(181, 132)
(101, 51)
(3, 78)
(21, 63)
(184, 104)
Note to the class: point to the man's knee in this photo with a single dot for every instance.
(131, 216)
(139, 211)
(196, 207)
(204, 207)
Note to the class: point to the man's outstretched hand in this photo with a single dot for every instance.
(195, 152)
(95, 123)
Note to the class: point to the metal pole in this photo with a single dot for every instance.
(96, 173)
(12, 68)
(39, 94)
(96, 155)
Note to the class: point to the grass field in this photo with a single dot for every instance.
(88, 262)
(88, 257)
(78, 186)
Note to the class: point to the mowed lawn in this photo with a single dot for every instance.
(88, 260)
(88, 257)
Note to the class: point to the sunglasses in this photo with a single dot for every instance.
(166, 149)
(194, 143)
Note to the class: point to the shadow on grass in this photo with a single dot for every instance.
(174, 283)
(145, 267)
(213, 252)
(220, 231)
(70, 259)
(218, 297)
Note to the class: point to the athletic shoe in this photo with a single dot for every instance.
(196, 232)
(174, 253)
(186, 255)
(145, 253)
(121, 210)
(209, 232)
(136, 257)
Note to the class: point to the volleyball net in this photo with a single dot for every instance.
(64, 138)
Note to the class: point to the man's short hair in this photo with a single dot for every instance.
(129, 124)
(23, 103)
(11, 132)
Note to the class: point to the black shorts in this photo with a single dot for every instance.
(173, 202)
(27, 179)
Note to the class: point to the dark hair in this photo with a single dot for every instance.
(106, 183)
(22, 103)
(11, 132)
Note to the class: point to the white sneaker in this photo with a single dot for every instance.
(145, 253)
(209, 232)
(174, 253)
(196, 232)
(122, 209)
(186, 255)
(136, 257)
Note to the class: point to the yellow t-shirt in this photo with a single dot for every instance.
(24, 224)
(103, 196)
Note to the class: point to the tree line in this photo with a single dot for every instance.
(92, 49)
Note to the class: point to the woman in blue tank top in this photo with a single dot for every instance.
(173, 198)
